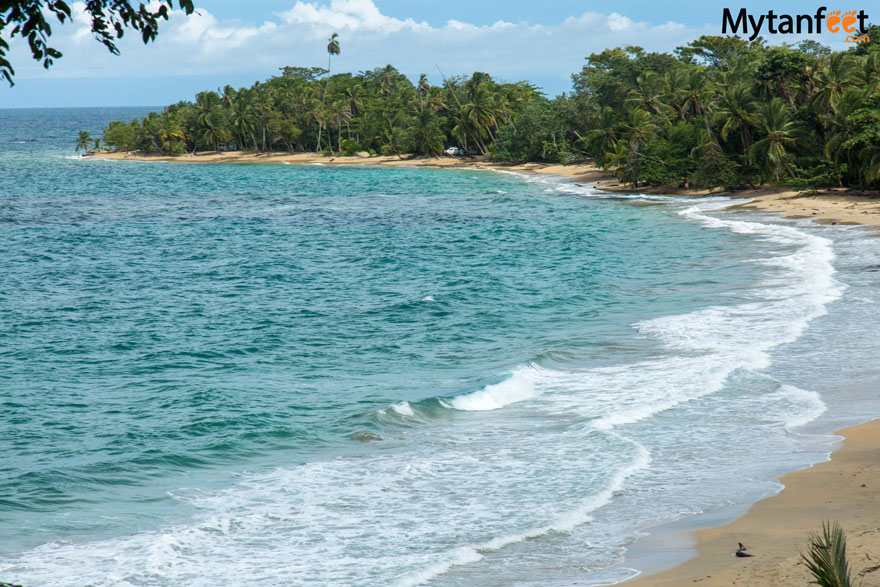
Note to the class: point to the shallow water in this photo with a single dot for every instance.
(361, 376)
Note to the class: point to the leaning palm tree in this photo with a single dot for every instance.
(826, 557)
(82, 143)
(737, 110)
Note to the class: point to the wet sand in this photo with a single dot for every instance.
(776, 530)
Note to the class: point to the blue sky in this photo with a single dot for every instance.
(238, 43)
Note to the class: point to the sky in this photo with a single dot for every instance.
(240, 42)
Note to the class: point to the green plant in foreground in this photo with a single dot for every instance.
(826, 557)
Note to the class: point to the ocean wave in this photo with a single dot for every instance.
(801, 406)
(563, 523)
(368, 519)
(520, 386)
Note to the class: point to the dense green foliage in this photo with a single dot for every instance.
(110, 19)
(378, 111)
(726, 112)
(720, 111)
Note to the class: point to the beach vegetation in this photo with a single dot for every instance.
(82, 143)
(716, 112)
(826, 557)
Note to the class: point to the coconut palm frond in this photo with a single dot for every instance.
(826, 557)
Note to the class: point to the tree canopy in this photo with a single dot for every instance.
(110, 19)
(378, 111)
(718, 111)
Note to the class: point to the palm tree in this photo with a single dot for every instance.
(833, 77)
(228, 95)
(170, 134)
(424, 88)
(207, 106)
(338, 113)
(477, 115)
(243, 118)
(778, 133)
(212, 132)
(840, 129)
(639, 129)
(435, 101)
(867, 73)
(602, 140)
(332, 49)
(320, 116)
(737, 109)
(695, 94)
(647, 95)
(265, 103)
(426, 136)
(618, 159)
(82, 143)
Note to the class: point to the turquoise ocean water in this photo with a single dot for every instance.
(314, 375)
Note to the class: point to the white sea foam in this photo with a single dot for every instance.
(564, 522)
(368, 520)
(520, 386)
(451, 495)
(403, 408)
(805, 406)
(716, 341)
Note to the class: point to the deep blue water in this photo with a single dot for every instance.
(371, 376)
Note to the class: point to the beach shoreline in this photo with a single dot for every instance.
(776, 530)
(828, 206)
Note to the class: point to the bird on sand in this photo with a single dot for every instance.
(741, 551)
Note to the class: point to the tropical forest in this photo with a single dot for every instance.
(717, 112)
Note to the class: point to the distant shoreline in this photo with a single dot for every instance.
(828, 206)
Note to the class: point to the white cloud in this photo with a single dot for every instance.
(347, 15)
(618, 22)
(200, 44)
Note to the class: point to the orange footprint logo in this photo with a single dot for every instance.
(833, 20)
(849, 20)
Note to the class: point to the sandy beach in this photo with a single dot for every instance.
(833, 206)
(776, 530)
